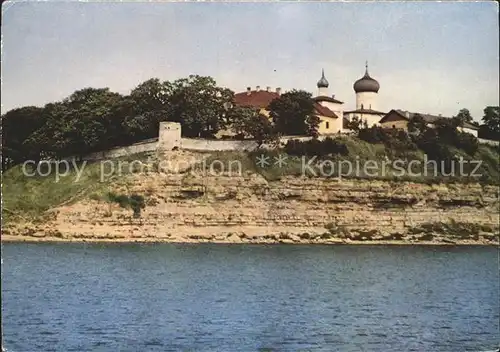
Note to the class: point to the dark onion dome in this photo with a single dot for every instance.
(322, 83)
(366, 83)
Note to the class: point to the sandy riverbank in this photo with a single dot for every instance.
(249, 240)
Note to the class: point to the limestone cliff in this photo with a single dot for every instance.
(191, 208)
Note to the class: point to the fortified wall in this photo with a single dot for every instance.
(169, 138)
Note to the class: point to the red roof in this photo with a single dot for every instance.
(323, 110)
(260, 99)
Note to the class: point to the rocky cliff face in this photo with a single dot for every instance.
(190, 208)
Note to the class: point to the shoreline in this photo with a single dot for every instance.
(32, 239)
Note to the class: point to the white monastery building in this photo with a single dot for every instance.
(331, 112)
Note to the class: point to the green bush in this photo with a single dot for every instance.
(135, 202)
(437, 142)
(466, 142)
(451, 229)
(315, 147)
(394, 139)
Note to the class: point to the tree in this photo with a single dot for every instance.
(249, 123)
(355, 124)
(447, 129)
(260, 129)
(293, 113)
(137, 203)
(147, 105)
(238, 118)
(417, 125)
(463, 116)
(312, 124)
(48, 141)
(151, 95)
(17, 127)
(199, 105)
(89, 114)
(86, 121)
(491, 123)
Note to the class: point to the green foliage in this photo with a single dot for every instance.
(464, 116)
(93, 119)
(30, 197)
(249, 123)
(491, 118)
(293, 114)
(453, 229)
(199, 105)
(89, 120)
(436, 142)
(355, 124)
(491, 123)
(312, 147)
(135, 202)
(17, 127)
(417, 125)
(466, 142)
(395, 140)
(151, 95)
(121, 199)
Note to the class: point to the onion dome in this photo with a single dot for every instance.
(366, 83)
(323, 83)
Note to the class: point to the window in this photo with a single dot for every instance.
(327, 125)
(361, 106)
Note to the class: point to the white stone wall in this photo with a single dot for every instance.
(149, 145)
(169, 136)
(323, 91)
(216, 145)
(337, 108)
(371, 120)
(368, 100)
(468, 130)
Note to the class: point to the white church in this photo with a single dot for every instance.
(366, 89)
(330, 110)
(327, 107)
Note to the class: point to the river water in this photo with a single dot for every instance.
(207, 297)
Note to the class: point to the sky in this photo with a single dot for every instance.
(429, 57)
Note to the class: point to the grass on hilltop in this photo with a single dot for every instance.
(28, 197)
(359, 152)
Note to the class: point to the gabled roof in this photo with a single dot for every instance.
(257, 99)
(407, 115)
(365, 111)
(327, 98)
(261, 99)
(323, 111)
